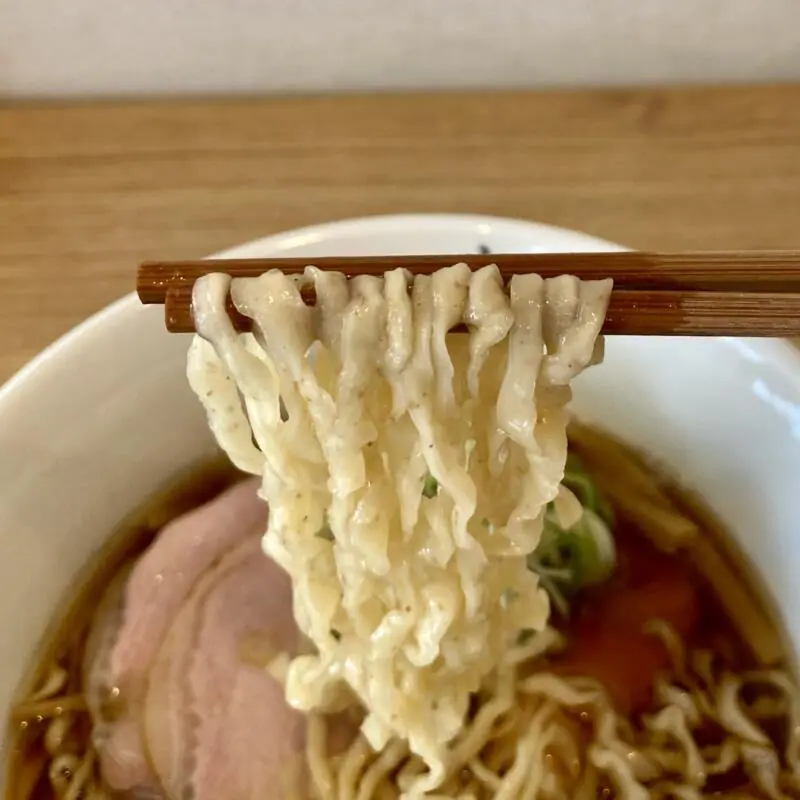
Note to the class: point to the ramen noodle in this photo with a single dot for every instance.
(407, 471)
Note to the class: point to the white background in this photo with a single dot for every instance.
(101, 47)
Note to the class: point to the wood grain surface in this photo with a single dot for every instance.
(87, 192)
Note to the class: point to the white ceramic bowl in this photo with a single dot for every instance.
(104, 417)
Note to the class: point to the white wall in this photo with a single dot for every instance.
(90, 47)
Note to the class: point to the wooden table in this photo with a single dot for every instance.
(88, 191)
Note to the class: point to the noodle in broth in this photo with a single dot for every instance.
(716, 685)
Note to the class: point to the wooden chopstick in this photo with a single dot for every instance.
(694, 294)
(777, 271)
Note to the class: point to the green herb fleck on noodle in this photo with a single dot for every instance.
(325, 533)
(430, 488)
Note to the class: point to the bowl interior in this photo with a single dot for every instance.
(104, 418)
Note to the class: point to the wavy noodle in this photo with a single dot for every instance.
(372, 422)
(545, 736)
(72, 770)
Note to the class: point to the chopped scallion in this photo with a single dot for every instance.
(430, 487)
(524, 636)
(325, 532)
(568, 560)
(508, 597)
